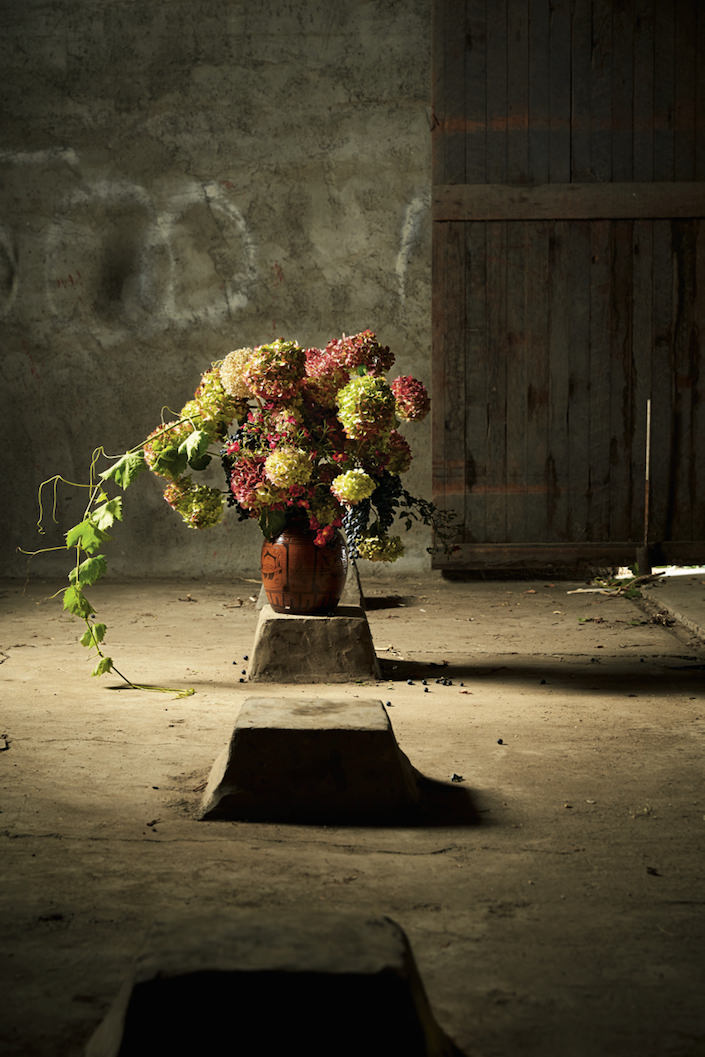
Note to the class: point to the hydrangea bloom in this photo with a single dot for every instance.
(217, 409)
(246, 476)
(411, 398)
(352, 486)
(288, 466)
(274, 372)
(366, 405)
(381, 548)
(199, 505)
(232, 373)
(399, 453)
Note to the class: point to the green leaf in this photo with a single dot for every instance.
(171, 462)
(124, 471)
(272, 523)
(89, 571)
(93, 635)
(195, 444)
(104, 665)
(86, 535)
(106, 515)
(195, 447)
(200, 462)
(76, 602)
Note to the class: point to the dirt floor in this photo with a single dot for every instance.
(566, 920)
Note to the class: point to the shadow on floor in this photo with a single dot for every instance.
(595, 674)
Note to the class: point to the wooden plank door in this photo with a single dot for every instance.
(569, 280)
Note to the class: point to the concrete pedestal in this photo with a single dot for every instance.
(303, 649)
(316, 760)
(270, 983)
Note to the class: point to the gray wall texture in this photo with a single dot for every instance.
(178, 179)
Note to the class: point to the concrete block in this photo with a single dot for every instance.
(273, 983)
(304, 649)
(314, 760)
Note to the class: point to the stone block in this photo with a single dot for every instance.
(273, 983)
(305, 649)
(312, 760)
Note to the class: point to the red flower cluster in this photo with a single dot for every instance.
(411, 397)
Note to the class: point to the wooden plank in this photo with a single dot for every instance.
(697, 467)
(448, 378)
(684, 90)
(643, 117)
(621, 382)
(589, 201)
(581, 73)
(568, 559)
(515, 495)
(560, 300)
(496, 167)
(601, 91)
(518, 557)
(567, 425)
(475, 109)
(575, 327)
(662, 381)
(622, 92)
(559, 164)
(686, 368)
(699, 173)
(538, 93)
(479, 355)
(496, 510)
(540, 468)
(448, 91)
(518, 88)
(664, 72)
(643, 340)
(600, 433)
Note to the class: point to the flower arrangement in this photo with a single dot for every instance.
(311, 432)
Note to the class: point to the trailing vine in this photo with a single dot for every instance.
(86, 540)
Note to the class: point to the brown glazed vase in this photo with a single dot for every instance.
(298, 576)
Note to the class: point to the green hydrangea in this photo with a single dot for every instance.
(353, 486)
(380, 548)
(366, 406)
(288, 466)
(212, 409)
(199, 505)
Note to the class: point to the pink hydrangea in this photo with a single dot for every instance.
(411, 397)
(246, 476)
(274, 372)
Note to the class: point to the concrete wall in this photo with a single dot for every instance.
(179, 179)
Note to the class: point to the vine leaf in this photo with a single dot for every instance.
(171, 462)
(195, 448)
(89, 571)
(76, 602)
(124, 471)
(106, 515)
(104, 665)
(86, 535)
(93, 635)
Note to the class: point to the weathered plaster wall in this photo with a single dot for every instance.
(179, 179)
